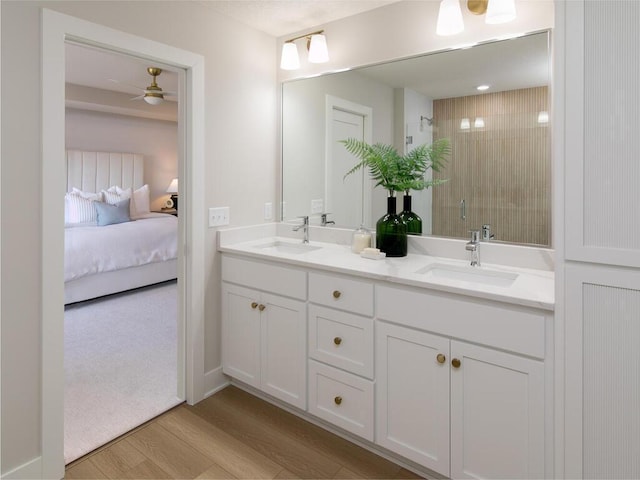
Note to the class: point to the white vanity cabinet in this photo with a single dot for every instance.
(264, 333)
(463, 410)
(341, 352)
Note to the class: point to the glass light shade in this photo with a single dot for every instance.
(500, 11)
(479, 123)
(465, 124)
(173, 186)
(449, 18)
(318, 52)
(289, 59)
(153, 100)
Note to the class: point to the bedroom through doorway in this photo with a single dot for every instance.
(123, 341)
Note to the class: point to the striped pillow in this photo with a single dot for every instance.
(78, 207)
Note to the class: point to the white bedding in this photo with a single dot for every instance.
(91, 249)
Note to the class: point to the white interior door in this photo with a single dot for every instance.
(347, 199)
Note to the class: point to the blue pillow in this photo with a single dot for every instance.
(110, 214)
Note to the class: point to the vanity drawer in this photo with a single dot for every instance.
(505, 326)
(268, 277)
(341, 398)
(341, 292)
(341, 339)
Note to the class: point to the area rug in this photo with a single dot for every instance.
(120, 365)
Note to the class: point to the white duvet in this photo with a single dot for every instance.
(92, 249)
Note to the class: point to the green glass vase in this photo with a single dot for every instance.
(413, 221)
(391, 232)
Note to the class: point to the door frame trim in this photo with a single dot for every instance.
(56, 29)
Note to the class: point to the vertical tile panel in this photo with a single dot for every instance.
(611, 382)
(89, 162)
(611, 124)
(501, 170)
(102, 176)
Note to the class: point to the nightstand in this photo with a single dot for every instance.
(170, 211)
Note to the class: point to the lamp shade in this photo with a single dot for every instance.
(500, 11)
(153, 100)
(289, 59)
(318, 52)
(449, 18)
(173, 186)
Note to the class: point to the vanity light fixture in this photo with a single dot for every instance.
(465, 124)
(450, 15)
(478, 123)
(316, 46)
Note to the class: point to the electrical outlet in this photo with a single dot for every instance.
(268, 211)
(218, 216)
(317, 206)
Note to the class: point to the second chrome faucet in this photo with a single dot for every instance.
(473, 246)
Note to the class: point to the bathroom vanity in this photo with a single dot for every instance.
(441, 366)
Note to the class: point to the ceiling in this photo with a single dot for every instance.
(282, 17)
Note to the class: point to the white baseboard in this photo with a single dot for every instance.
(214, 381)
(28, 471)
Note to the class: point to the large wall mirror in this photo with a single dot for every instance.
(499, 170)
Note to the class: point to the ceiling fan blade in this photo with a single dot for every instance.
(126, 84)
(139, 97)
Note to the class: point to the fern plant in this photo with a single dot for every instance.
(395, 172)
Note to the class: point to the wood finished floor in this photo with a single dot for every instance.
(232, 434)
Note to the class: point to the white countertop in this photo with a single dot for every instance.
(532, 288)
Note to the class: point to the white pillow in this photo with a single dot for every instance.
(139, 204)
(78, 207)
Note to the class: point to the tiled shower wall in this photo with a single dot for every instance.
(500, 170)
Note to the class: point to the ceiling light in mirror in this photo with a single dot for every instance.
(465, 124)
(482, 88)
(543, 117)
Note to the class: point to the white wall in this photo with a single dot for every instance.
(157, 140)
(241, 174)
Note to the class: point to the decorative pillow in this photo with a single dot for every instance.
(141, 201)
(78, 206)
(110, 214)
(116, 194)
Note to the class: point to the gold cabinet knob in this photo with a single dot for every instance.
(337, 340)
(455, 363)
(261, 307)
(338, 400)
(254, 305)
(336, 294)
(441, 358)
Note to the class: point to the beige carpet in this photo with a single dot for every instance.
(120, 365)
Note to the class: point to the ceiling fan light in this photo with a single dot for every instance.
(500, 11)
(318, 52)
(289, 59)
(153, 99)
(449, 18)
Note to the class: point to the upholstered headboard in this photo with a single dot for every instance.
(95, 171)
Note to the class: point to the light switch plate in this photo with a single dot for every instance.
(218, 216)
(317, 206)
(268, 211)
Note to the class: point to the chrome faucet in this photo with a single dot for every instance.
(324, 221)
(305, 228)
(473, 246)
(486, 233)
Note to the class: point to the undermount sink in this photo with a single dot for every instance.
(278, 246)
(469, 274)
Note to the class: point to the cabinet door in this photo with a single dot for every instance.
(497, 414)
(412, 395)
(241, 334)
(284, 353)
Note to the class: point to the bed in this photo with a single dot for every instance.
(102, 258)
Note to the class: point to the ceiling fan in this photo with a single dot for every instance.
(153, 94)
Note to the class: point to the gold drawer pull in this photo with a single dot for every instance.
(441, 358)
(338, 400)
(455, 363)
(337, 340)
(254, 305)
(336, 294)
(261, 307)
